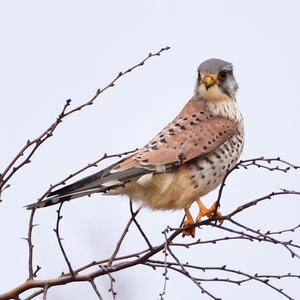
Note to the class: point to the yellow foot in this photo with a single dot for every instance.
(207, 212)
(189, 221)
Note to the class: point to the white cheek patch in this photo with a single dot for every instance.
(213, 94)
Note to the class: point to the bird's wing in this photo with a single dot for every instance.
(194, 133)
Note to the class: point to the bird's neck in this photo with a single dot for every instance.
(226, 108)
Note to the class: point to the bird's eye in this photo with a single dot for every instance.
(199, 76)
(222, 75)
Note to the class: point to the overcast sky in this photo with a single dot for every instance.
(55, 50)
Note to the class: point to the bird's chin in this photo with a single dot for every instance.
(213, 94)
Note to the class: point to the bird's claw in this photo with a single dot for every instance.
(208, 212)
(188, 230)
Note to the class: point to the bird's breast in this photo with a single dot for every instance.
(178, 189)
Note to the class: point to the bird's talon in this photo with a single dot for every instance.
(219, 215)
(188, 231)
(187, 223)
(208, 212)
(199, 219)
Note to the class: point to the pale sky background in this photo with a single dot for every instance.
(54, 50)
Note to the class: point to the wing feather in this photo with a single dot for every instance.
(194, 133)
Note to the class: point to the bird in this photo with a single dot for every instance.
(185, 161)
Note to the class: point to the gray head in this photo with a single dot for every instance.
(216, 76)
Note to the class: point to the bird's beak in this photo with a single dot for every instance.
(208, 81)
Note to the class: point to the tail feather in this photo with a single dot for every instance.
(100, 182)
(59, 199)
(83, 183)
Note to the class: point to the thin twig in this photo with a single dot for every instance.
(165, 273)
(293, 229)
(35, 294)
(30, 245)
(119, 243)
(213, 241)
(112, 281)
(145, 257)
(224, 268)
(103, 261)
(59, 240)
(266, 237)
(35, 143)
(138, 225)
(38, 268)
(93, 284)
(257, 162)
(186, 273)
(45, 293)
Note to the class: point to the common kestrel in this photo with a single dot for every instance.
(183, 162)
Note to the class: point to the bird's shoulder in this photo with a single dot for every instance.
(195, 132)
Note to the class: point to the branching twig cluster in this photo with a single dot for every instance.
(172, 262)
(200, 275)
(24, 156)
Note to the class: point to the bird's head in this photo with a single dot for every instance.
(216, 81)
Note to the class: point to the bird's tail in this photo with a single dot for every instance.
(105, 181)
(57, 199)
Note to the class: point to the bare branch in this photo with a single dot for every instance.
(45, 293)
(112, 281)
(247, 277)
(147, 257)
(30, 246)
(31, 146)
(96, 289)
(59, 240)
(259, 162)
(133, 215)
(165, 274)
(122, 238)
(186, 273)
(38, 268)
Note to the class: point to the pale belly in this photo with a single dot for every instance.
(194, 179)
